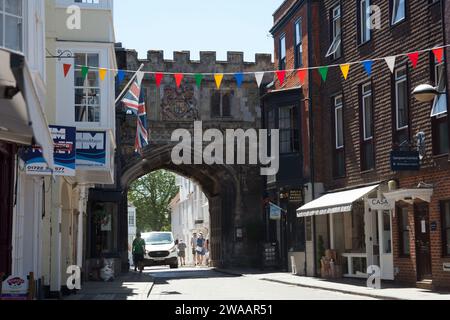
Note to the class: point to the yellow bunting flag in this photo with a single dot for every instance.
(218, 77)
(345, 68)
(102, 73)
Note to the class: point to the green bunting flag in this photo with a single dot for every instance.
(84, 71)
(323, 73)
(198, 79)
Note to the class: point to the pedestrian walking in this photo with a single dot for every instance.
(138, 252)
(193, 247)
(200, 249)
(182, 252)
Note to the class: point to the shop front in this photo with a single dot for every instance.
(359, 232)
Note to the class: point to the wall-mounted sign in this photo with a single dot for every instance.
(64, 154)
(405, 161)
(296, 196)
(379, 204)
(433, 226)
(91, 149)
(446, 267)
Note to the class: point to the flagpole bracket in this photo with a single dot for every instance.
(65, 54)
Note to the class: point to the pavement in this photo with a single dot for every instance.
(388, 291)
(130, 286)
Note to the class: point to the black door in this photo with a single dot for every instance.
(7, 153)
(422, 234)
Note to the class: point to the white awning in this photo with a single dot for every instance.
(408, 195)
(337, 202)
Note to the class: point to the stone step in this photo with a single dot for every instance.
(425, 284)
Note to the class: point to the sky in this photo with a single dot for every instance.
(196, 25)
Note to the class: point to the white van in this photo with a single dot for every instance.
(160, 249)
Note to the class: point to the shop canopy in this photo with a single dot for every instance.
(338, 202)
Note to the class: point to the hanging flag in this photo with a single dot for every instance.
(131, 98)
(323, 73)
(66, 67)
(390, 61)
(259, 78)
(102, 73)
(120, 76)
(345, 69)
(159, 76)
(368, 66)
(414, 58)
(301, 75)
(239, 78)
(439, 54)
(141, 127)
(198, 79)
(84, 71)
(218, 77)
(178, 79)
(281, 75)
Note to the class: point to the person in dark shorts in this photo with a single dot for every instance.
(138, 252)
(182, 252)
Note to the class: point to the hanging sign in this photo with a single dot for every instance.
(91, 149)
(64, 154)
(275, 212)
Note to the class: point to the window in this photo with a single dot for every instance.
(270, 125)
(335, 47)
(445, 219)
(131, 219)
(339, 156)
(439, 112)
(401, 107)
(398, 11)
(11, 24)
(221, 104)
(282, 53)
(367, 126)
(364, 21)
(289, 132)
(404, 228)
(298, 44)
(87, 91)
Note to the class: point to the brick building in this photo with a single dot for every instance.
(398, 220)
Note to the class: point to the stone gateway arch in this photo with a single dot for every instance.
(234, 191)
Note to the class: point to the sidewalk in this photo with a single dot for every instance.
(389, 291)
(130, 286)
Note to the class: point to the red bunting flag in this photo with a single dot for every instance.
(414, 58)
(281, 76)
(159, 77)
(178, 79)
(301, 75)
(439, 54)
(66, 69)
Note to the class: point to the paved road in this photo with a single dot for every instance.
(207, 284)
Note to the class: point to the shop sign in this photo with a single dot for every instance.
(63, 155)
(405, 161)
(15, 288)
(447, 267)
(296, 196)
(91, 149)
(275, 212)
(379, 204)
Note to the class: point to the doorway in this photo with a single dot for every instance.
(422, 235)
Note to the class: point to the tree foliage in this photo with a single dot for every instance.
(151, 195)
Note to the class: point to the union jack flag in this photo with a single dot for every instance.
(134, 101)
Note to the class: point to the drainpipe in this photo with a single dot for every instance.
(311, 129)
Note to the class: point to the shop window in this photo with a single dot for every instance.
(404, 231)
(105, 230)
(445, 219)
(335, 50)
(387, 234)
(296, 232)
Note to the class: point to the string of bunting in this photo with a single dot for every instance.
(280, 74)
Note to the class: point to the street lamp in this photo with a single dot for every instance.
(426, 93)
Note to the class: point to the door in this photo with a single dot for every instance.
(385, 236)
(423, 252)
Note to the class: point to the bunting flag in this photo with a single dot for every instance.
(102, 73)
(159, 76)
(259, 78)
(390, 61)
(345, 69)
(301, 75)
(281, 75)
(218, 77)
(120, 76)
(66, 68)
(198, 79)
(239, 78)
(439, 54)
(178, 78)
(368, 66)
(323, 73)
(84, 72)
(414, 58)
